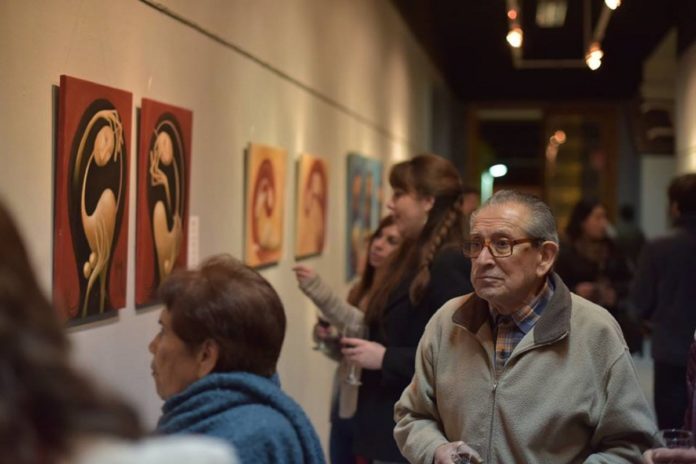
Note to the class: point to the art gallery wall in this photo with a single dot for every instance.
(326, 77)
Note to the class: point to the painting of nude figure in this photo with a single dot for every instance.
(91, 200)
(265, 190)
(312, 204)
(164, 164)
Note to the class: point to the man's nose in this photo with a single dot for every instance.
(485, 256)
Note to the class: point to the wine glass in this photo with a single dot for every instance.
(354, 329)
(675, 438)
(320, 344)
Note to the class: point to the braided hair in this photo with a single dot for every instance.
(424, 175)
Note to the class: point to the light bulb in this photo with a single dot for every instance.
(594, 56)
(612, 4)
(514, 37)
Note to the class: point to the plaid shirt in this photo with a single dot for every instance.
(509, 330)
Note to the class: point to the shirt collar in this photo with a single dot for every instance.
(526, 316)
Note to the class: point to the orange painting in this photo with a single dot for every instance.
(265, 188)
(312, 204)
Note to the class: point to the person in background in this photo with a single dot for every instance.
(664, 292)
(214, 364)
(427, 270)
(382, 243)
(592, 266)
(471, 200)
(51, 413)
(629, 237)
(522, 370)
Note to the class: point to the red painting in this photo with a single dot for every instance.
(265, 188)
(164, 165)
(90, 241)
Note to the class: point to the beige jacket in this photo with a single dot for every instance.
(339, 313)
(568, 394)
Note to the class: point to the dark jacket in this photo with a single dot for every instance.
(400, 331)
(664, 291)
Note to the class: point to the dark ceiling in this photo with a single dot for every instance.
(466, 41)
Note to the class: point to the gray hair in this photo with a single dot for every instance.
(540, 223)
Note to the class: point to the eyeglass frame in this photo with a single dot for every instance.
(487, 244)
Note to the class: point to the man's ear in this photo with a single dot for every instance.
(207, 357)
(549, 251)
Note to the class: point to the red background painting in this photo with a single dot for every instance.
(75, 96)
(145, 275)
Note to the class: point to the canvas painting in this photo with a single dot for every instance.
(90, 241)
(265, 188)
(312, 205)
(164, 164)
(364, 207)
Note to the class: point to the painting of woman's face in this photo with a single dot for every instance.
(264, 204)
(312, 198)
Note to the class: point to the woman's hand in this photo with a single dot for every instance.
(303, 273)
(665, 455)
(363, 353)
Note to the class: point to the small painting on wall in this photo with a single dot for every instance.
(364, 206)
(312, 205)
(90, 240)
(164, 165)
(264, 208)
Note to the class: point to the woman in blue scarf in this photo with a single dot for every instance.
(214, 363)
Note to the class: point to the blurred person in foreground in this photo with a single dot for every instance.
(214, 364)
(49, 412)
(522, 370)
(664, 292)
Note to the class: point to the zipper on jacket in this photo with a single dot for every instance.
(490, 427)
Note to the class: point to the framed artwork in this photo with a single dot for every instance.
(312, 205)
(90, 241)
(164, 166)
(364, 206)
(265, 187)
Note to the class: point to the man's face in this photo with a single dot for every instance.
(507, 283)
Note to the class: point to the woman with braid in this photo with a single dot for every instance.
(426, 271)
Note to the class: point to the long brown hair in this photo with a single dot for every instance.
(424, 175)
(45, 403)
(360, 289)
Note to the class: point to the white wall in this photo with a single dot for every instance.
(374, 83)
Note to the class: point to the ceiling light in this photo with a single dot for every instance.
(594, 56)
(514, 37)
(551, 13)
(498, 170)
(612, 4)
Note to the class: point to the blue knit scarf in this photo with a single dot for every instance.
(250, 412)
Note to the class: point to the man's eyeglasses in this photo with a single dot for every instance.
(499, 247)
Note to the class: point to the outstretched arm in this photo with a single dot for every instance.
(336, 310)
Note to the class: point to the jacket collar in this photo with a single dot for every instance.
(553, 323)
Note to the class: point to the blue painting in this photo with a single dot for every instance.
(364, 187)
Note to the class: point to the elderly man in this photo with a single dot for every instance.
(521, 371)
